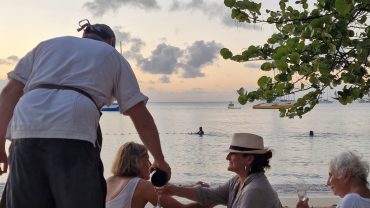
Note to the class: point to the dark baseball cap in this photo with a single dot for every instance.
(102, 30)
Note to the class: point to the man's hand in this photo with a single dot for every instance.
(4, 161)
(162, 165)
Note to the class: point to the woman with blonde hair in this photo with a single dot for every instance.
(129, 186)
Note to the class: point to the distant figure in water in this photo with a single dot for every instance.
(200, 132)
(311, 133)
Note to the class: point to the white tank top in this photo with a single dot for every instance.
(124, 198)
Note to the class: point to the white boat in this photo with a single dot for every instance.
(325, 101)
(232, 106)
(364, 100)
(322, 100)
(113, 107)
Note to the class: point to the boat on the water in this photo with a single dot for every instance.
(113, 107)
(364, 100)
(275, 105)
(232, 106)
(325, 101)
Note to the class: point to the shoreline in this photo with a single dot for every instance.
(316, 200)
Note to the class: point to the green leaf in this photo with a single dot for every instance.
(267, 66)
(295, 57)
(229, 3)
(343, 7)
(263, 81)
(282, 65)
(240, 91)
(242, 99)
(226, 53)
(326, 35)
(363, 19)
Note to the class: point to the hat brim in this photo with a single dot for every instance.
(263, 151)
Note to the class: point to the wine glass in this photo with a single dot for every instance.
(159, 193)
(158, 179)
(301, 190)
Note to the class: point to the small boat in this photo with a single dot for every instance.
(364, 100)
(113, 107)
(325, 101)
(232, 106)
(275, 105)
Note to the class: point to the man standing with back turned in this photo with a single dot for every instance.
(50, 104)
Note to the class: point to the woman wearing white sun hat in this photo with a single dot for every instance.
(250, 188)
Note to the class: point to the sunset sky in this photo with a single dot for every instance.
(172, 45)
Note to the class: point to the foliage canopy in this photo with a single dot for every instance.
(326, 45)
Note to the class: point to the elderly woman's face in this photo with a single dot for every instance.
(337, 184)
(237, 162)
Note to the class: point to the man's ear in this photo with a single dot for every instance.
(109, 41)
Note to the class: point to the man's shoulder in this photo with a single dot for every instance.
(61, 40)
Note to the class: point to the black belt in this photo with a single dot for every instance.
(63, 87)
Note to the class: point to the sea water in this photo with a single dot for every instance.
(296, 155)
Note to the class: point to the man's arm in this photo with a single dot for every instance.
(8, 99)
(145, 126)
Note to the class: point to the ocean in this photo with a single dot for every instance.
(296, 155)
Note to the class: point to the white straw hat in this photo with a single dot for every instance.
(247, 143)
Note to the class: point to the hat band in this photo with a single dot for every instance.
(232, 147)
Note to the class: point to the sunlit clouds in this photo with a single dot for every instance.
(172, 45)
(101, 7)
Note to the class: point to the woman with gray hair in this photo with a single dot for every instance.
(348, 179)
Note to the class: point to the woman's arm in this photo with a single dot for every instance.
(187, 192)
(201, 193)
(145, 192)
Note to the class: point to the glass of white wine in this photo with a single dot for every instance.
(159, 193)
(301, 190)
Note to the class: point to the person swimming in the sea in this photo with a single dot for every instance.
(200, 132)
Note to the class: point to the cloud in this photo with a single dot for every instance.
(164, 60)
(253, 65)
(199, 55)
(228, 21)
(212, 10)
(130, 46)
(100, 7)
(164, 79)
(9, 61)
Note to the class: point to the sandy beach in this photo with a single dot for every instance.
(316, 200)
